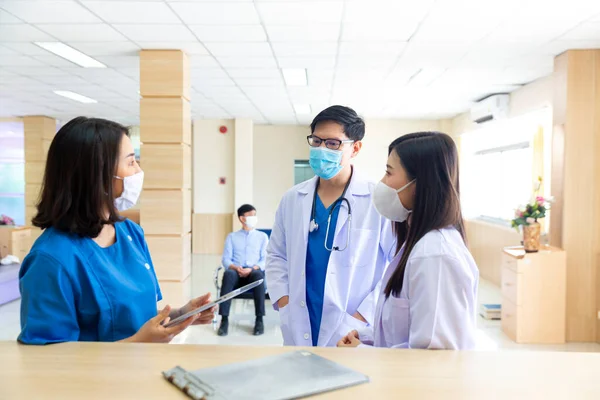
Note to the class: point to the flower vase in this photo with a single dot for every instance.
(531, 237)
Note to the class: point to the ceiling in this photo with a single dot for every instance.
(387, 59)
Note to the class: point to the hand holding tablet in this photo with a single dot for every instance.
(220, 300)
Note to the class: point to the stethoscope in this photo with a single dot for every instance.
(313, 226)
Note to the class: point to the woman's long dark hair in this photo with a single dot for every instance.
(77, 190)
(431, 159)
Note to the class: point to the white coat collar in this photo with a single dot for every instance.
(359, 185)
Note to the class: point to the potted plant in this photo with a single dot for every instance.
(528, 216)
(6, 220)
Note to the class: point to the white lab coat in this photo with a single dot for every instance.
(353, 275)
(436, 308)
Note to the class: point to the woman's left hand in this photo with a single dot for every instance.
(205, 317)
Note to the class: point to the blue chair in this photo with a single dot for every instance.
(218, 278)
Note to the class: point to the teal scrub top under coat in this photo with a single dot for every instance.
(317, 260)
(74, 290)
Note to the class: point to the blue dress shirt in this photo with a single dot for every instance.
(245, 249)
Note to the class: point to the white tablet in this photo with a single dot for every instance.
(220, 300)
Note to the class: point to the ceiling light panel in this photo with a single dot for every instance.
(70, 54)
(75, 96)
(302, 109)
(294, 76)
(123, 48)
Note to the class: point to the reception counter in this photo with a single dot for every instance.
(133, 371)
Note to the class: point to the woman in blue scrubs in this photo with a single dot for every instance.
(89, 276)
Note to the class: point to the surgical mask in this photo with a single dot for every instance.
(388, 204)
(132, 187)
(251, 222)
(325, 163)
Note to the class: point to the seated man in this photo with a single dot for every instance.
(244, 262)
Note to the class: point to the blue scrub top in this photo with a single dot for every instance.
(317, 259)
(74, 290)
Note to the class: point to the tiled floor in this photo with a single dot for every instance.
(490, 336)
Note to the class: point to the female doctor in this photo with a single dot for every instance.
(89, 276)
(428, 294)
(329, 246)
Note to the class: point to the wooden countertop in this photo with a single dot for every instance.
(133, 371)
(518, 252)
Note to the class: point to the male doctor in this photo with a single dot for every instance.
(329, 246)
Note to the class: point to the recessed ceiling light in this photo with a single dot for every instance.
(295, 76)
(75, 96)
(70, 54)
(302, 109)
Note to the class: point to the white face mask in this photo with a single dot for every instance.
(251, 222)
(388, 204)
(132, 187)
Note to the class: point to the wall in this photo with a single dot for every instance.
(486, 240)
(485, 244)
(275, 149)
(213, 158)
(531, 97)
(379, 134)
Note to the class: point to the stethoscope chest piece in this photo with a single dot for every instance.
(314, 226)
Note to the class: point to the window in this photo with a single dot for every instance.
(12, 171)
(302, 171)
(499, 166)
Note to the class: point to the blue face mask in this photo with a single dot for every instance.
(324, 162)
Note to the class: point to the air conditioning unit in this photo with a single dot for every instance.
(491, 108)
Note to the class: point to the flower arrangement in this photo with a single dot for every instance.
(6, 220)
(536, 209)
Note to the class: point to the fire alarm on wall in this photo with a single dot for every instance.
(222, 181)
(223, 129)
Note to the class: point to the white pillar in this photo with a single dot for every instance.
(244, 166)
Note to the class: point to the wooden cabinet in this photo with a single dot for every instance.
(534, 295)
(15, 240)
